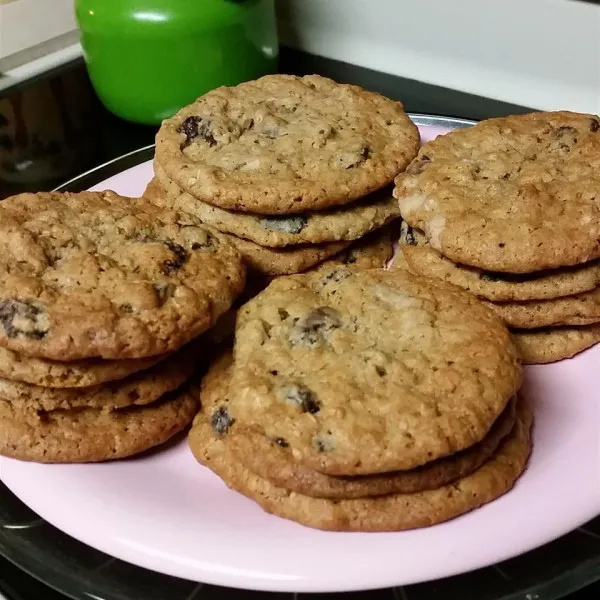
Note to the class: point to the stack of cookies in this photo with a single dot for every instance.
(365, 401)
(101, 299)
(509, 210)
(292, 170)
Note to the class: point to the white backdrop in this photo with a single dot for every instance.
(539, 53)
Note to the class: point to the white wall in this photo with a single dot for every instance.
(29, 24)
(539, 53)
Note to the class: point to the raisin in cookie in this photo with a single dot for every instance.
(341, 224)
(91, 434)
(286, 144)
(425, 260)
(272, 459)
(541, 346)
(579, 309)
(516, 194)
(393, 512)
(370, 372)
(138, 389)
(98, 275)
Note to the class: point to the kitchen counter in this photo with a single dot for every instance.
(108, 137)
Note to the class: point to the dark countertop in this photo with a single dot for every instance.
(106, 137)
(95, 136)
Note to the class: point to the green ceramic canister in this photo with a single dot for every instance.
(148, 58)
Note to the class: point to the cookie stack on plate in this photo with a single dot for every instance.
(365, 401)
(292, 169)
(99, 296)
(508, 209)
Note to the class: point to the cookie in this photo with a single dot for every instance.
(374, 251)
(580, 309)
(91, 434)
(516, 194)
(75, 374)
(272, 459)
(286, 144)
(425, 260)
(138, 389)
(541, 346)
(268, 261)
(341, 224)
(394, 512)
(98, 275)
(284, 261)
(370, 372)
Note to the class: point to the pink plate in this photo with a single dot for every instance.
(167, 513)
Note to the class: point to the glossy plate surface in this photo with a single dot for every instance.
(168, 514)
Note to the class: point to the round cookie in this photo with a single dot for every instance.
(98, 275)
(425, 260)
(285, 144)
(374, 251)
(542, 346)
(580, 309)
(370, 372)
(272, 460)
(75, 374)
(138, 389)
(92, 434)
(284, 261)
(341, 224)
(394, 512)
(516, 194)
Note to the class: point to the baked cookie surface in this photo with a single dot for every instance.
(579, 309)
(140, 388)
(272, 460)
(515, 194)
(263, 260)
(425, 260)
(541, 346)
(74, 374)
(91, 434)
(394, 512)
(98, 275)
(365, 372)
(285, 144)
(374, 251)
(347, 223)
